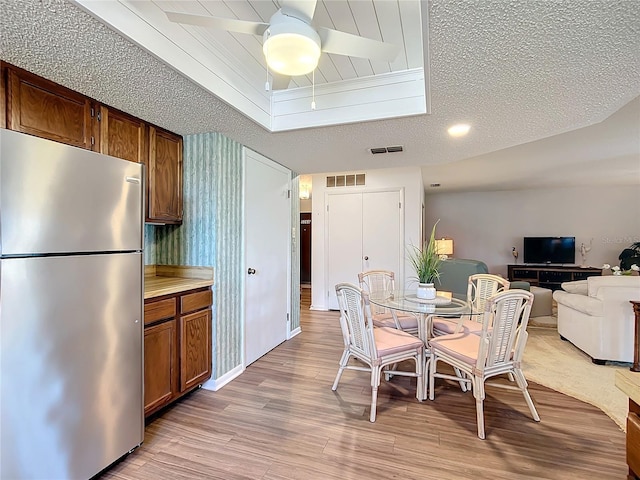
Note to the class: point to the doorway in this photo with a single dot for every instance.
(305, 248)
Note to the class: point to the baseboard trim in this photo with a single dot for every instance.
(216, 384)
(318, 309)
(294, 332)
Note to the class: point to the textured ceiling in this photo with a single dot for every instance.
(518, 71)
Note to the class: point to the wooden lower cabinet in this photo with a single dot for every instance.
(177, 346)
(633, 440)
(195, 349)
(160, 365)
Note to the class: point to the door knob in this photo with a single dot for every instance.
(251, 271)
(366, 258)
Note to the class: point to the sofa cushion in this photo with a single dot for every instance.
(579, 286)
(583, 303)
(595, 283)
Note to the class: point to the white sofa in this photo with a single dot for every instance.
(596, 316)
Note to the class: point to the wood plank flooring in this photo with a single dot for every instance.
(280, 421)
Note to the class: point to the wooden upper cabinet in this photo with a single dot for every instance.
(3, 95)
(43, 108)
(164, 177)
(122, 135)
(40, 107)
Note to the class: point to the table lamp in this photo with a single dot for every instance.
(444, 248)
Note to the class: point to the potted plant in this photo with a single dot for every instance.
(426, 262)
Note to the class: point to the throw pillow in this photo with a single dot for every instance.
(579, 287)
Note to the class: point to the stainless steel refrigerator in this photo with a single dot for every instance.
(71, 306)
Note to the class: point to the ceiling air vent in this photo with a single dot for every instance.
(397, 148)
(392, 149)
(351, 180)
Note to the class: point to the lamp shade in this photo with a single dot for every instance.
(291, 47)
(444, 246)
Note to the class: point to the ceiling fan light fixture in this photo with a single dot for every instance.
(291, 47)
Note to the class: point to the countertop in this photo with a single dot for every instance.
(170, 279)
(629, 383)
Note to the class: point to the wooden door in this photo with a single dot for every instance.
(267, 254)
(305, 248)
(160, 369)
(122, 135)
(364, 231)
(164, 170)
(39, 107)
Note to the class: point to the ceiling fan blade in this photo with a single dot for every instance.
(229, 24)
(280, 82)
(343, 43)
(302, 9)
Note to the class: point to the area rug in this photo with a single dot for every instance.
(558, 365)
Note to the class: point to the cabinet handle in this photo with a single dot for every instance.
(251, 271)
(366, 257)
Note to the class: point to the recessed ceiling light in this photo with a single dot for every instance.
(459, 130)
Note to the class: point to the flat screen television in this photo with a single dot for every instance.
(549, 250)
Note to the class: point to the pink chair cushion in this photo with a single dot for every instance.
(463, 346)
(392, 340)
(446, 326)
(407, 322)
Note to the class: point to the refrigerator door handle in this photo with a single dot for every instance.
(135, 180)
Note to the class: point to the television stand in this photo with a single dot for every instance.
(550, 276)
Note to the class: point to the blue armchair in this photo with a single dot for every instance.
(454, 274)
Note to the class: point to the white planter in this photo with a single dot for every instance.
(426, 291)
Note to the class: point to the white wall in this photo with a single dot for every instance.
(486, 225)
(305, 206)
(408, 178)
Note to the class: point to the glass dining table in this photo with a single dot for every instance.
(444, 305)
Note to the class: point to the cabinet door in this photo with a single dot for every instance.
(164, 185)
(122, 135)
(3, 95)
(39, 107)
(195, 349)
(160, 373)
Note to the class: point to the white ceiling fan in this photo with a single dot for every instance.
(291, 45)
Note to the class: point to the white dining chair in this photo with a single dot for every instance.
(377, 347)
(496, 350)
(375, 281)
(481, 287)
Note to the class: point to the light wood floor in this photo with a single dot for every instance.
(280, 420)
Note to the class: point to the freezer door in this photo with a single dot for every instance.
(71, 363)
(55, 198)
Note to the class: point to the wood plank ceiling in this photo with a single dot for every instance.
(393, 21)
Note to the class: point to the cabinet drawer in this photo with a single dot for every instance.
(159, 310)
(195, 301)
(633, 442)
